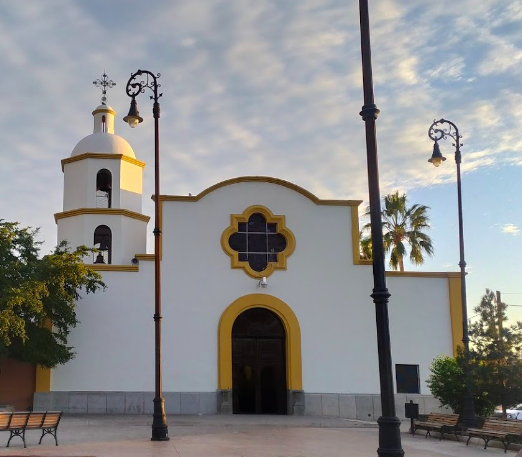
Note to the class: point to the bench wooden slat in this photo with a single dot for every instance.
(493, 429)
(52, 419)
(18, 422)
(441, 423)
(5, 418)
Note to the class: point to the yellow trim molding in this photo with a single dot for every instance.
(279, 182)
(235, 219)
(293, 338)
(144, 257)
(455, 304)
(43, 379)
(104, 110)
(424, 274)
(94, 155)
(42, 374)
(104, 211)
(356, 242)
(105, 267)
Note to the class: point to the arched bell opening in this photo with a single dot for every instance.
(103, 242)
(259, 363)
(104, 189)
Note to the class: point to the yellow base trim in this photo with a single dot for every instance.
(293, 338)
(104, 267)
(103, 211)
(43, 379)
(42, 374)
(94, 155)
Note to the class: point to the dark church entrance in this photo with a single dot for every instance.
(258, 363)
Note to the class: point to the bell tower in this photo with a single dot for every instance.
(102, 193)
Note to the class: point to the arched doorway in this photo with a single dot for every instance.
(258, 363)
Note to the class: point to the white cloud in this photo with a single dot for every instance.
(510, 229)
(259, 88)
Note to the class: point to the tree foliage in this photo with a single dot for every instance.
(402, 226)
(495, 366)
(447, 382)
(498, 349)
(38, 295)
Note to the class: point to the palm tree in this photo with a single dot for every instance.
(401, 225)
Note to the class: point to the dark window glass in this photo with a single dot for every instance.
(257, 261)
(257, 242)
(276, 243)
(257, 223)
(238, 242)
(407, 377)
(272, 257)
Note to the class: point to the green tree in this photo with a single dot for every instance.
(495, 364)
(497, 348)
(366, 246)
(447, 381)
(37, 292)
(402, 225)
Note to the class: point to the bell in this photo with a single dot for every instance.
(99, 258)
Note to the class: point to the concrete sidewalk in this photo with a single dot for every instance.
(230, 436)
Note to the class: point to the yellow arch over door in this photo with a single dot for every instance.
(293, 338)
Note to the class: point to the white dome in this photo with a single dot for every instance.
(103, 143)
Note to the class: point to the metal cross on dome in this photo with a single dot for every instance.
(105, 83)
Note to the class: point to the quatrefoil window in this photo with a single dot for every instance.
(258, 241)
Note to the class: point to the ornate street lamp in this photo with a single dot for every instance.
(135, 85)
(389, 423)
(468, 417)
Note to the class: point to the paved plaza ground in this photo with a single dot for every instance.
(230, 436)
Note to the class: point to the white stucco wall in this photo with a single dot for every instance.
(76, 186)
(329, 295)
(114, 341)
(80, 184)
(129, 236)
(420, 322)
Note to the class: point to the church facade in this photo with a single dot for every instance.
(265, 300)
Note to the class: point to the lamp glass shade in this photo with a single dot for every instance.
(133, 118)
(436, 158)
(132, 121)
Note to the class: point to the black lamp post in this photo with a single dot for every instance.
(135, 85)
(468, 417)
(389, 423)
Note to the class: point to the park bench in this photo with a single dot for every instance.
(506, 431)
(441, 423)
(18, 422)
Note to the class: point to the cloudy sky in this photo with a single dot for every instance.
(265, 87)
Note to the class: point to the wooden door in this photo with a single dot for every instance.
(258, 363)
